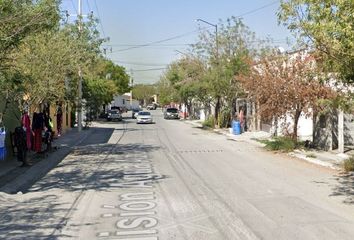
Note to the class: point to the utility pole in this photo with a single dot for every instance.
(217, 107)
(79, 102)
(131, 89)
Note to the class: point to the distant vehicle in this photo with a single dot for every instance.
(152, 106)
(144, 117)
(171, 113)
(135, 112)
(114, 115)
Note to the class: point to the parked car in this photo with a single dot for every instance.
(135, 112)
(114, 115)
(144, 117)
(152, 106)
(171, 113)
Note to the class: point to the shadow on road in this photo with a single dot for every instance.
(344, 187)
(99, 167)
(30, 219)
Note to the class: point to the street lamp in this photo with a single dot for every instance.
(216, 35)
(217, 107)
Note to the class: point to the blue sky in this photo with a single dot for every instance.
(136, 22)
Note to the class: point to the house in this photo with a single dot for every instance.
(123, 103)
(331, 130)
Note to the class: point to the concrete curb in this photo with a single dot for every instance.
(314, 161)
(298, 154)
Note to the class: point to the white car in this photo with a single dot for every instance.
(144, 117)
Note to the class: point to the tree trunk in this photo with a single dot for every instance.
(296, 122)
(340, 131)
(217, 111)
(186, 109)
(275, 134)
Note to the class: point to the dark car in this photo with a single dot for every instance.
(114, 115)
(171, 113)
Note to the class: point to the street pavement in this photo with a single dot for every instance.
(172, 180)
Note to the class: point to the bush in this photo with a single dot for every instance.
(349, 164)
(209, 122)
(284, 144)
(224, 118)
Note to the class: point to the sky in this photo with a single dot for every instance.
(129, 24)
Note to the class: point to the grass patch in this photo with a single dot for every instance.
(283, 144)
(311, 155)
(209, 123)
(349, 164)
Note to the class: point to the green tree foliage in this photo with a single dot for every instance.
(21, 18)
(46, 60)
(226, 57)
(102, 83)
(18, 20)
(183, 81)
(43, 58)
(167, 93)
(107, 69)
(144, 92)
(98, 92)
(326, 26)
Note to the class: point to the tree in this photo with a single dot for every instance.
(98, 92)
(144, 92)
(21, 18)
(18, 20)
(326, 26)
(286, 85)
(228, 58)
(185, 78)
(167, 93)
(45, 60)
(107, 69)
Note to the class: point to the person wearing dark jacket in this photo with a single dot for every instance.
(20, 142)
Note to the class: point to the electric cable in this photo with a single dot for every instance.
(100, 19)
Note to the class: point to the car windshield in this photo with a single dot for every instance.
(113, 112)
(172, 110)
(144, 113)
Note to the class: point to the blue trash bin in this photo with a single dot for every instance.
(236, 127)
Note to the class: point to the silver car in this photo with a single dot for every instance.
(171, 113)
(144, 117)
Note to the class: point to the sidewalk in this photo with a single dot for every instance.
(330, 159)
(14, 178)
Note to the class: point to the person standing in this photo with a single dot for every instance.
(20, 142)
(242, 120)
(59, 120)
(37, 127)
(26, 123)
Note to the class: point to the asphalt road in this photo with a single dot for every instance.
(170, 180)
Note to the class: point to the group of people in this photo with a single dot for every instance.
(29, 136)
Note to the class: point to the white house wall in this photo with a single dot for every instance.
(304, 130)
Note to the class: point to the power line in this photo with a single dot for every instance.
(100, 19)
(139, 63)
(88, 4)
(257, 9)
(160, 41)
(149, 69)
(74, 6)
(192, 32)
(138, 45)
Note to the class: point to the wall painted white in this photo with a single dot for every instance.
(305, 127)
